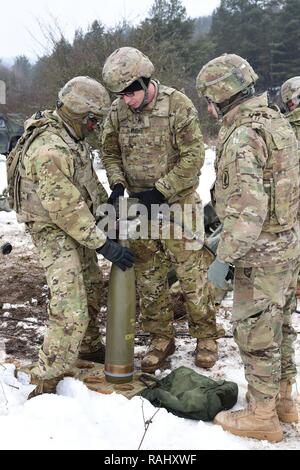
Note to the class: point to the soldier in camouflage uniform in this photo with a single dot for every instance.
(153, 147)
(256, 195)
(56, 192)
(290, 95)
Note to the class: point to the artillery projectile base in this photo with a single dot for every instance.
(92, 375)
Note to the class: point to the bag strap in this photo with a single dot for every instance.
(146, 378)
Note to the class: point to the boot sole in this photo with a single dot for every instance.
(275, 436)
(150, 370)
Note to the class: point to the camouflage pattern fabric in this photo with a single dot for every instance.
(264, 300)
(290, 90)
(75, 286)
(124, 66)
(58, 184)
(260, 237)
(224, 77)
(79, 98)
(151, 269)
(59, 196)
(294, 119)
(162, 147)
(259, 217)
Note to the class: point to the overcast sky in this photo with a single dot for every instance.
(20, 32)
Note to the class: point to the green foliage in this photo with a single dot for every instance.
(286, 50)
(265, 32)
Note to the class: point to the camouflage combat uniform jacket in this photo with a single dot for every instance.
(294, 119)
(58, 184)
(257, 186)
(160, 147)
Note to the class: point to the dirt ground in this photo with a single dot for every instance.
(23, 288)
(23, 305)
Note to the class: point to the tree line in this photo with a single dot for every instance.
(265, 32)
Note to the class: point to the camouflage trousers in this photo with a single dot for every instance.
(75, 285)
(264, 301)
(153, 261)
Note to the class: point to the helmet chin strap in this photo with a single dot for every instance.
(146, 96)
(227, 105)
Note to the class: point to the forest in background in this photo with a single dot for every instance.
(265, 32)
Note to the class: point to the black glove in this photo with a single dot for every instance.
(153, 196)
(118, 190)
(117, 254)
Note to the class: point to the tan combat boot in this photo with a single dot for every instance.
(206, 353)
(259, 421)
(158, 351)
(286, 406)
(42, 385)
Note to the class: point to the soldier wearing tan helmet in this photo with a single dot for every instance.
(256, 197)
(290, 95)
(55, 191)
(153, 147)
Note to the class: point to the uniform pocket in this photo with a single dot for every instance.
(260, 332)
(286, 196)
(227, 185)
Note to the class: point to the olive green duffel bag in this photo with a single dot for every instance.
(187, 394)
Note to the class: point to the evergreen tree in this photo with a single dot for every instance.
(248, 28)
(286, 51)
(165, 35)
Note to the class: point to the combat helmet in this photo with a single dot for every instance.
(82, 98)
(224, 77)
(290, 91)
(124, 66)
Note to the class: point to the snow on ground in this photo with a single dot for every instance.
(3, 183)
(77, 418)
(207, 177)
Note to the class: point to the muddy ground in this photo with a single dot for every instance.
(23, 305)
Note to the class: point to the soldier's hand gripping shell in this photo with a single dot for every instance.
(120, 256)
